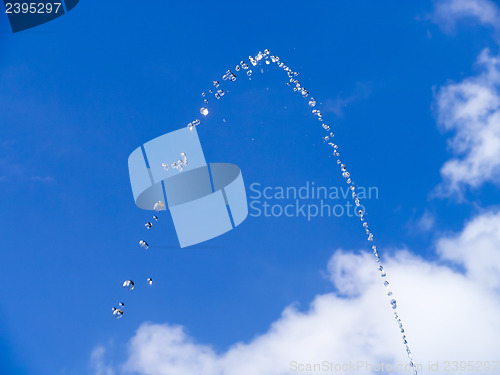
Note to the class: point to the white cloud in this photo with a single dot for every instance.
(447, 12)
(471, 109)
(477, 248)
(449, 315)
(98, 362)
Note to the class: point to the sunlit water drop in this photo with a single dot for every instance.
(204, 111)
(148, 225)
(143, 244)
(128, 284)
(117, 313)
(150, 281)
(183, 158)
(158, 206)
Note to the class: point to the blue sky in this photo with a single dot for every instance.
(83, 91)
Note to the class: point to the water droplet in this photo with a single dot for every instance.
(220, 92)
(393, 303)
(204, 111)
(356, 202)
(121, 304)
(386, 284)
(268, 62)
(312, 102)
(129, 284)
(148, 225)
(346, 174)
(158, 206)
(203, 94)
(365, 224)
(224, 120)
(326, 127)
(249, 73)
(343, 167)
(155, 217)
(216, 84)
(382, 272)
(144, 244)
(243, 64)
(370, 237)
(117, 313)
(150, 281)
(275, 59)
(237, 68)
(326, 138)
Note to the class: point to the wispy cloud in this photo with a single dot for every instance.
(338, 105)
(13, 171)
(448, 12)
(98, 362)
(448, 315)
(424, 223)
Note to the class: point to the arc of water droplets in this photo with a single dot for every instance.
(297, 87)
